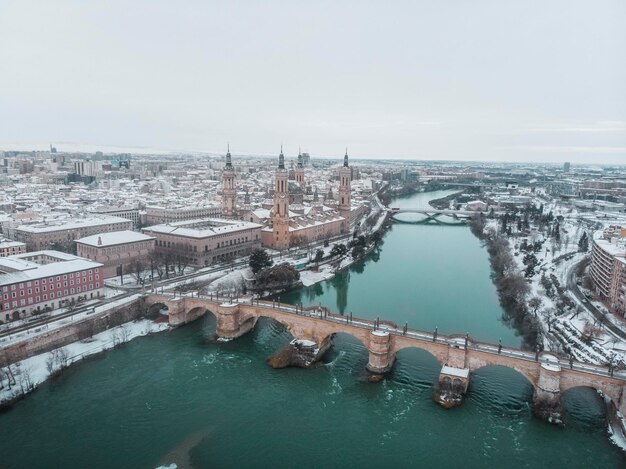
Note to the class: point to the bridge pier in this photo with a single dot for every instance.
(177, 312)
(229, 321)
(547, 391)
(454, 376)
(301, 353)
(381, 357)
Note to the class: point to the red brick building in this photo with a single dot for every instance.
(46, 279)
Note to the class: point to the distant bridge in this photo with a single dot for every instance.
(549, 374)
(433, 215)
(434, 211)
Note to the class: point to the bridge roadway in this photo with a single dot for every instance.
(459, 355)
(434, 211)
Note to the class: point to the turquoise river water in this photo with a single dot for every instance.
(181, 397)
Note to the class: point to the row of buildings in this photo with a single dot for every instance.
(35, 276)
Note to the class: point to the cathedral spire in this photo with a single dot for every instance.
(345, 158)
(299, 158)
(281, 158)
(229, 162)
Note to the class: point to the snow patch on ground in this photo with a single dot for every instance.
(35, 369)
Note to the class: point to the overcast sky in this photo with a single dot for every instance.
(466, 80)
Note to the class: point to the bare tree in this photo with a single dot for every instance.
(590, 332)
(138, 267)
(156, 264)
(10, 377)
(50, 361)
(551, 319)
(115, 338)
(124, 333)
(168, 263)
(535, 303)
(182, 257)
(26, 381)
(62, 358)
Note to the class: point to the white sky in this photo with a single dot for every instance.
(503, 80)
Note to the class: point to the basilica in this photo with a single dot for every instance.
(287, 222)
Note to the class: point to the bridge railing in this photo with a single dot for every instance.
(416, 334)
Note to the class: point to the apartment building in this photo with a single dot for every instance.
(608, 268)
(10, 248)
(36, 281)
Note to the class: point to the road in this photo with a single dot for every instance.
(573, 287)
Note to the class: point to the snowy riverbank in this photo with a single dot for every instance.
(26, 375)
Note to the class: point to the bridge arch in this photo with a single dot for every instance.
(266, 319)
(157, 308)
(269, 332)
(440, 353)
(416, 367)
(586, 405)
(508, 388)
(196, 312)
(347, 353)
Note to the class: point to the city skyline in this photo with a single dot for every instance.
(480, 82)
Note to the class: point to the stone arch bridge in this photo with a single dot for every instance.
(549, 374)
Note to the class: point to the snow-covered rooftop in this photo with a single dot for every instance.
(202, 228)
(451, 371)
(114, 238)
(70, 224)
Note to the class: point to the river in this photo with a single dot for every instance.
(181, 397)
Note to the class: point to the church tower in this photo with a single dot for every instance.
(229, 191)
(345, 175)
(280, 217)
(300, 171)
